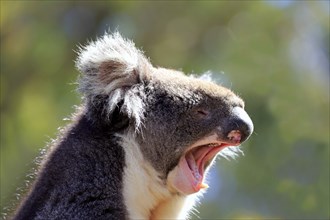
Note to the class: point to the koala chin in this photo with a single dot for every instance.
(141, 143)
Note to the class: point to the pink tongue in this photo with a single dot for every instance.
(187, 177)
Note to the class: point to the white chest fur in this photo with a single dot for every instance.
(145, 195)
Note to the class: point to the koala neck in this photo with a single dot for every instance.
(145, 194)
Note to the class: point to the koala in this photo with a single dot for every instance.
(141, 143)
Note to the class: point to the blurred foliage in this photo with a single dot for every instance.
(275, 54)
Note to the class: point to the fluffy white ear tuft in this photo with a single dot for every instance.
(109, 63)
(112, 66)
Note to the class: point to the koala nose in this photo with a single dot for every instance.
(239, 126)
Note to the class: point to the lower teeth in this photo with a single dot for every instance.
(196, 174)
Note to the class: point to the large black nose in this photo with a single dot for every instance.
(239, 126)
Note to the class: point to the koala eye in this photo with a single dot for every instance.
(202, 113)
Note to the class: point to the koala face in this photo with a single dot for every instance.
(180, 123)
(187, 122)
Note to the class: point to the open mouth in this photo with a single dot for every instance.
(197, 160)
(188, 176)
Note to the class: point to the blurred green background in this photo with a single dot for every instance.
(274, 54)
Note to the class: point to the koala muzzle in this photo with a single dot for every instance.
(239, 126)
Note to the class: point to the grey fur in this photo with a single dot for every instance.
(82, 176)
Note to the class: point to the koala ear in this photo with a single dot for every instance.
(112, 67)
(109, 63)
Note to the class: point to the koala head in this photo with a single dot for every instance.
(180, 122)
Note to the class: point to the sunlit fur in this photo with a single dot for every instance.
(112, 47)
(117, 157)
